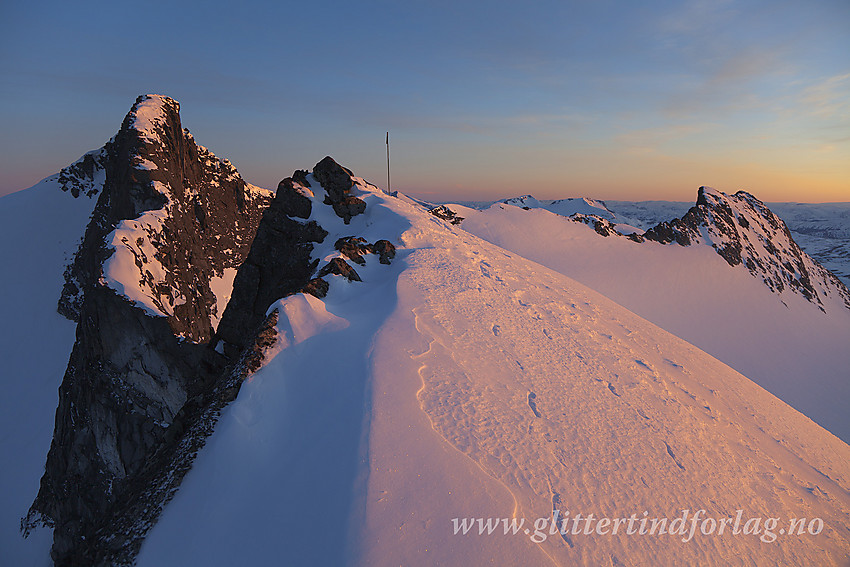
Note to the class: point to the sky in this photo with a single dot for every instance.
(483, 100)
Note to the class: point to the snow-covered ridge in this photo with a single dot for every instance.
(85, 176)
(451, 345)
(564, 207)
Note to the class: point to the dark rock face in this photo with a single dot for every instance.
(744, 231)
(445, 213)
(337, 183)
(135, 383)
(278, 264)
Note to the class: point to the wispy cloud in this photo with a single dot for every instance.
(829, 98)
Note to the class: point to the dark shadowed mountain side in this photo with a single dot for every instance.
(144, 382)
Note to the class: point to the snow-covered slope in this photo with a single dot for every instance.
(781, 340)
(465, 381)
(40, 229)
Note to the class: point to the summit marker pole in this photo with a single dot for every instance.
(389, 188)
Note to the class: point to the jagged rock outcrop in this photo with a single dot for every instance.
(354, 248)
(339, 267)
(337, 182)
(278, 264)
(744, 231)
(170, 218)
(445, 213)
(175, 211)
(603, 227)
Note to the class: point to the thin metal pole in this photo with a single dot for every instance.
(389, 188)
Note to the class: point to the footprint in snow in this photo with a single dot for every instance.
(533, 404)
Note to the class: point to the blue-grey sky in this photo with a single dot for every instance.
(628, 100)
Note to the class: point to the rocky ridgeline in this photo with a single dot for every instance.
(740, 228)
(149, 372)
(744, 231)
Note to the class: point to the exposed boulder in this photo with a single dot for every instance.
(317, 287)
(337, 182)
(339, 267)
(385, 249)
(445, 213)
(353, 248)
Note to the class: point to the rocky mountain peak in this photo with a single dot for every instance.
(743, 230)
(147, 286)
(172, 218)
(171, 288)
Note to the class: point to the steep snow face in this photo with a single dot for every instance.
(134, 270)
(40, 229)
(781, 341)
(464, 381)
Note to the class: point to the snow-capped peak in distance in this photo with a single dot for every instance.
(526, 201)
(743, 230)
(564, 207)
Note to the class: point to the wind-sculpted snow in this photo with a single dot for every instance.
(467, 381)
(783, 342)
(630, 419)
